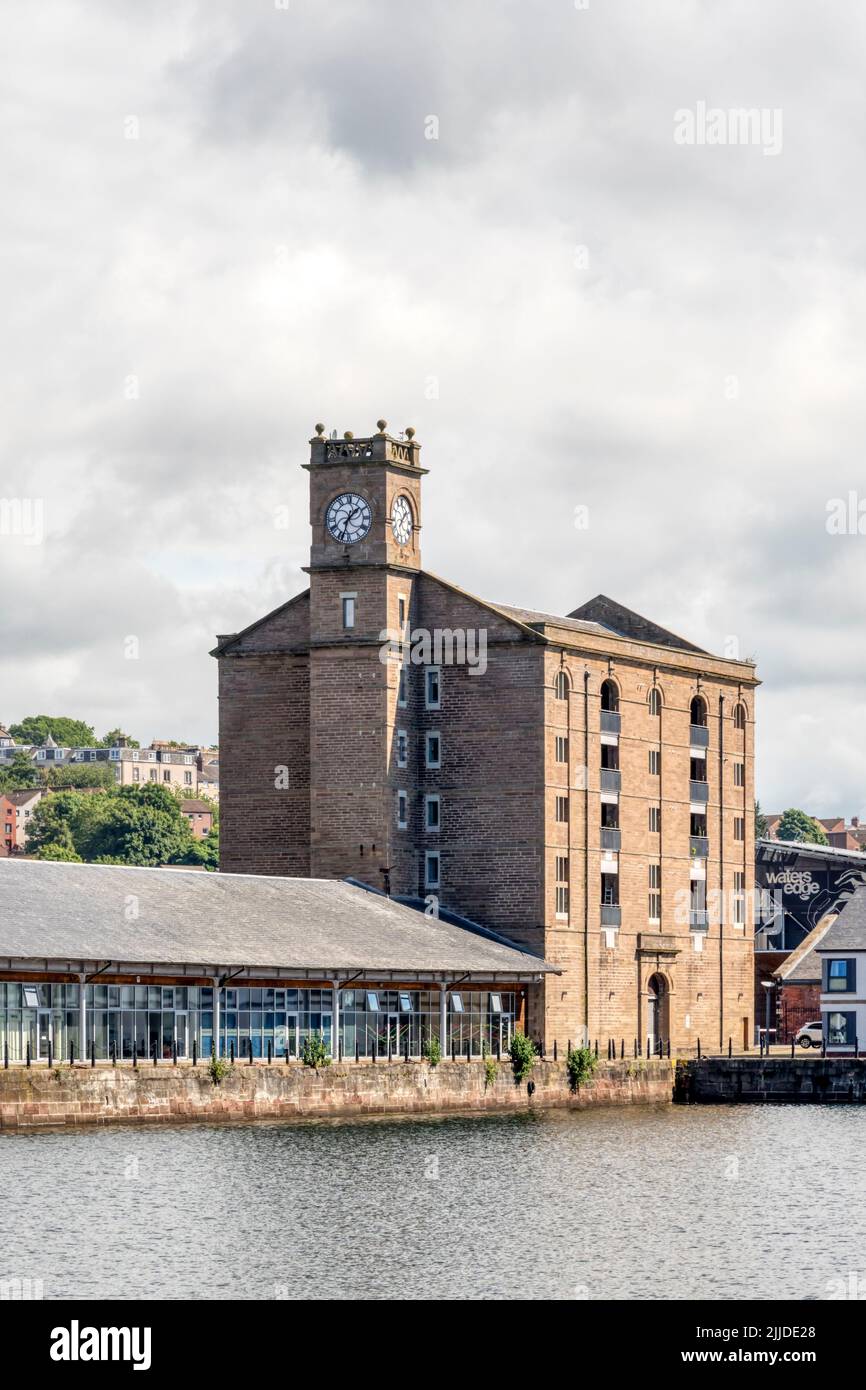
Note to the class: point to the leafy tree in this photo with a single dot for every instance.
(129, 825)
(69, 733)
(80, 775)
(58, 852)
(205, 852)
(762, 825)
(113, 736)
(19, 773)
(796, 825)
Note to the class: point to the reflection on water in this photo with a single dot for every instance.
(661, 1203)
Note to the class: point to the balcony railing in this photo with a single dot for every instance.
(610, 721)
(610, 838)
(699, 736)
(611, 915)
(698, 791)
(699, 846)
(611, 779)
(697, 917)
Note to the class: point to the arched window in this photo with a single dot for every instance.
(609, 696)
(698, 712)
(739, 716)
(560, 687)
(655, 702)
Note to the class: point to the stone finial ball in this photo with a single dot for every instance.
(410, 433)
(320, 429)
(380, 424)
(347, 434)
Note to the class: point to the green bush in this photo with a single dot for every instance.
(491, 1071)
(580, 1064)
(523, 1054)
(315, 1053)
(432, 1051)
(218, 1069)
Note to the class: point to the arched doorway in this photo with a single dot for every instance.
(658, 1021)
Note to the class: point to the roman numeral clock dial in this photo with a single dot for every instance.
(401, 521)
(348, 518)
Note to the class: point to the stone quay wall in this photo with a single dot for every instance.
(81, 1094)
(792, 1079)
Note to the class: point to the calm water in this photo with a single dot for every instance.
(711, 1202)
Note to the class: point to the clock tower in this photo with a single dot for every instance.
(365, 557)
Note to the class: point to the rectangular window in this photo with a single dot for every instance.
(739, 899)
(739, 774)
(401, 612)
(655, 820)
(561, 748)
(841, 1029)
(841, 976)
(562, 885)
(135, 774)
(348, 602)
(562, 809)
(432, 690)
(402, 810)
(166, 776)
(405, 1003)
(403, 688)
(431, 811)
(655, 762)
(431, 869)
(496, 1003)
(655, 895)
(402, 748)
(372, 1003)
(432, 749)
(739, 828)
(31, 997)
(457, 1003)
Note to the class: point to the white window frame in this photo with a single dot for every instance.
(402, 809)
(429, 672)
(403, 688)
(432, 862)
(348, 610)
(428, 761)
(402, 748)
(432, 799)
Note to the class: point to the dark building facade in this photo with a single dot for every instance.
(582, 784)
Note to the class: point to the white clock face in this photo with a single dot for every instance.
(348, 518)
(401, 521)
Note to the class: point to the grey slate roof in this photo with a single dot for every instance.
(848, 932)
(803, 966)
(78, 911)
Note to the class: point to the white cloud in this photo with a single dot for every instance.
(281, 244)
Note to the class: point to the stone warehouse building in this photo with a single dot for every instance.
(583, 785)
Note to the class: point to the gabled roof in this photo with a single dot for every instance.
(75, 912)
(848, 931)
(802, 966)
(615, 617)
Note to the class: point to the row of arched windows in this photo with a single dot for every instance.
(610, 701)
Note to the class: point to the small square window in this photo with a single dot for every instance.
(31, 997)
(457, 1003)
(405, 1003)
(496, 1003)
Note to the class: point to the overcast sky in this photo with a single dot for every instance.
(223, 222)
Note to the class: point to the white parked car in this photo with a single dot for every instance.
(810, 1035)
